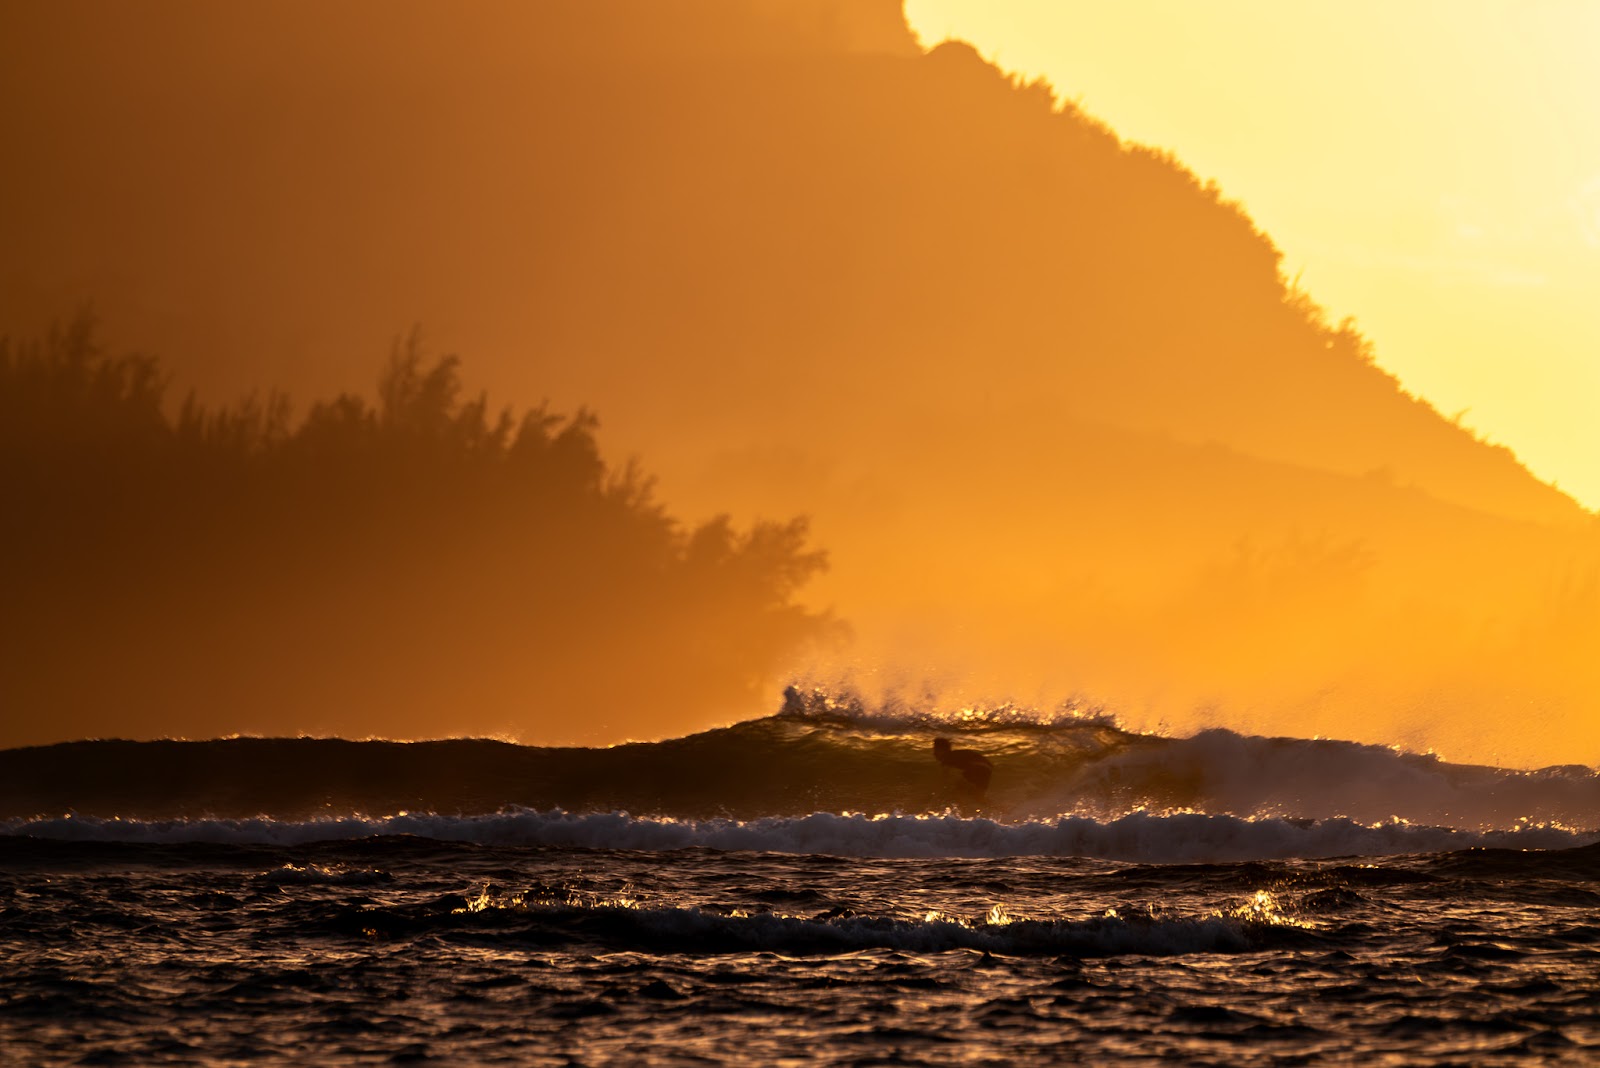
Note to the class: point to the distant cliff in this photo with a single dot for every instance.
(1048, 398)
(774, 196)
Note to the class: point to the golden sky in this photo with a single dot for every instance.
(1431, 168)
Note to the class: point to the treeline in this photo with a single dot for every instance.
(418, 566)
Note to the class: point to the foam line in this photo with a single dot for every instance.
(1145, 837)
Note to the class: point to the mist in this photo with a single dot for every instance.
(1061, 424)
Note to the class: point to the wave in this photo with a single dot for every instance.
(625, 925)
(322, 875)
(1141, 837)
(820, 753)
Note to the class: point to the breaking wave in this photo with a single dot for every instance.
(820, 754)
(627, 926)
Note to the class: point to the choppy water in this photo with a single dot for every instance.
(988, 930)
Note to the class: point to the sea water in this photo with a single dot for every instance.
(1111, 899)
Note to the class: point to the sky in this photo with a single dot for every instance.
(1429, 168)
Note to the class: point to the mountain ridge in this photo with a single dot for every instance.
(890, 287)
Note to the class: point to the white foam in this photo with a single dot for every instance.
(1173, 838)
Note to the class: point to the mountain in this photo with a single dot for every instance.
(1048, 397)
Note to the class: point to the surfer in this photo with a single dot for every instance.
(973, 765)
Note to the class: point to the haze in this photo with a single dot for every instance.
(1059, 417)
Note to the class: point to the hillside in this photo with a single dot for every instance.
(1049, 399)
(773, 198)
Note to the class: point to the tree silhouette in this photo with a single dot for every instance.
(422, 566)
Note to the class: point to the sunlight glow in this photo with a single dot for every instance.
(1264, 907)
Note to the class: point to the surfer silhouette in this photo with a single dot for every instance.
(973, 765)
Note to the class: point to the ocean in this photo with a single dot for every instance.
(810, 887)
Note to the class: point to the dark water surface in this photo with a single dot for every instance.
(407, 950)
(806, 888)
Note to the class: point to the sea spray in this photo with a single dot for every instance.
(819, 755)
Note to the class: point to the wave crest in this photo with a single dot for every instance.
(821, 753)
(1141, 837)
